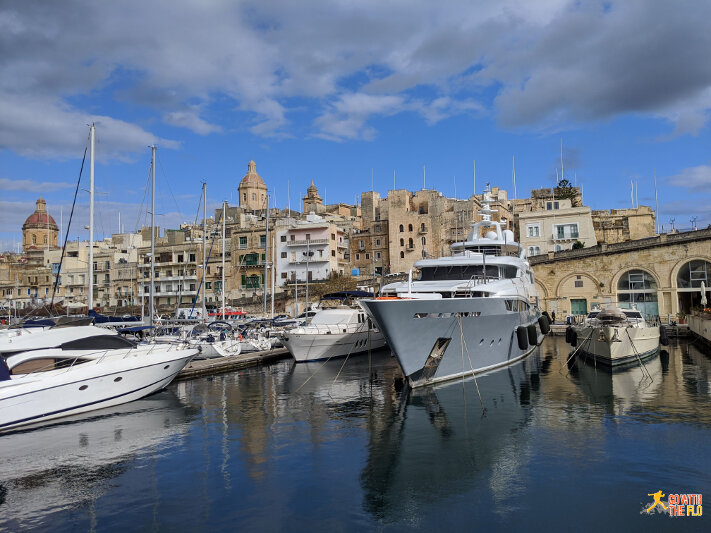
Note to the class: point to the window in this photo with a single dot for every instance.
(402, 228)
(34, 241)
(565, 231)
(254, 196)
(402, 255)
(377, 242)
(180, 258)
(533, 230)
(402, 242)
(192, 258)
(410, 244)
(423, 228)
(558, 247)
(367, 256)
(361, 244)
(377, 255)
(308, 236)
(283, 238)
(377, 228)
(262, 241)
(244, 196)
(693, 273)
(534, 250)
(333, 236)
(578, 283)
(424, 241)
(409, 227)
(551, 205)
(45, 239)
(283, 255)
(357, 257)
(333, 253)
(283, 275)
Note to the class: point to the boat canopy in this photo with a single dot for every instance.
(342, 295)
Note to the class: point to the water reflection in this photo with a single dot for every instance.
(67, 464)
(438, 441)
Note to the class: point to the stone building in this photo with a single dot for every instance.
(555, 226)
(313, 249)
(660, 275)
(39, 231)
(313, 203)
(252, 190)
(620, 225)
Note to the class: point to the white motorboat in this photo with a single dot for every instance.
(470, 312)
(335, 332)
(216, 339)
(615, 337)
(80, 380)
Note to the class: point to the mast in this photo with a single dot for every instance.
(266, 258)
(151, 298)
(308, 253)
(224, 210)
(91, 218)
(204, 247)
(656, 203)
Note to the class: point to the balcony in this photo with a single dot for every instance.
(303, 242)
(572, 236)
(311, 260)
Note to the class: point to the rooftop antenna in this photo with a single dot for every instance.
(372, 188)
(513, 205)
(562, 170)
(632, 193)
(671, 220)
(393, 179)
(288, 193)
(656, 201)
(455, 187)
(636, 192)
(693, 222)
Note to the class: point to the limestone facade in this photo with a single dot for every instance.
(252, 190)
(660, 275)
(557, 227)
(620, 225)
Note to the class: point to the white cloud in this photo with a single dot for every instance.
(32, 186)
(697, 178)
(544, 64)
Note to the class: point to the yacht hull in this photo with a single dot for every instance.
(479, 334)
(618, 346)
(32, 398)
(315, 347)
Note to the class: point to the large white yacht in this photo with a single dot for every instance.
(337, 331)
(616, 337)
(467, 313)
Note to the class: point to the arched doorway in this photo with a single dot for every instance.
(638, 289)
(688, 282)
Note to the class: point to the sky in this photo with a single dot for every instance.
(411, 93)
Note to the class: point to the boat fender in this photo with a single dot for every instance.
(544, 324)
(571, 336)
(545, 314)
(532, 335)
(522, 336)
(663, 337)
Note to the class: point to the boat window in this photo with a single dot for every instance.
(459, 272)
(632, 314)
(99, 342)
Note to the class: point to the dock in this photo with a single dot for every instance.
(221, 365)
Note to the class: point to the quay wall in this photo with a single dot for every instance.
(593, 275)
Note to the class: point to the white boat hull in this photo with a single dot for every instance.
(314, 347)
(618, 346)
(112, 380)
(211, 350)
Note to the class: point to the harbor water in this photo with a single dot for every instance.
(342, 446)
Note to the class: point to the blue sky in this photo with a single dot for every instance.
(332, 90)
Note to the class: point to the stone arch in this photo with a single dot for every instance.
(616, 277)
(564, 279)
(677, 266)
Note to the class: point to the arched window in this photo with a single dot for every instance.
(34, 239)
(402, 241)
(424, 241)
(422, 227)
(410, 244)
(244, 196)
(558, 247)
(45, 239)
(409, 227)
(638, 288)
(254, 196)
(402, 228)
(688, 281)
(402, 255)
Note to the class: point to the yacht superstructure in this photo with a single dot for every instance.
(467, 313)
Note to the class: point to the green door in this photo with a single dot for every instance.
(579, 307)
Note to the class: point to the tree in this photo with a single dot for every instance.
(565, 191)
(577, 245)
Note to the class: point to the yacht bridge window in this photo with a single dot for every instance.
(466, 272)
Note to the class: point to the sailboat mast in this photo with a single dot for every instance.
(204, 248)
(222, 286)
(151, 298)
(656, 202)
(91, 218)
(266, 258)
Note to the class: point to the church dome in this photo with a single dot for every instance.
(252, 179)
(40, 218)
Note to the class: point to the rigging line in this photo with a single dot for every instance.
(637, 354)
(66, 236)
(464, 342)
(167, 181)
(587, 339)
(340, 370)
(140, 208)
(206, 262)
